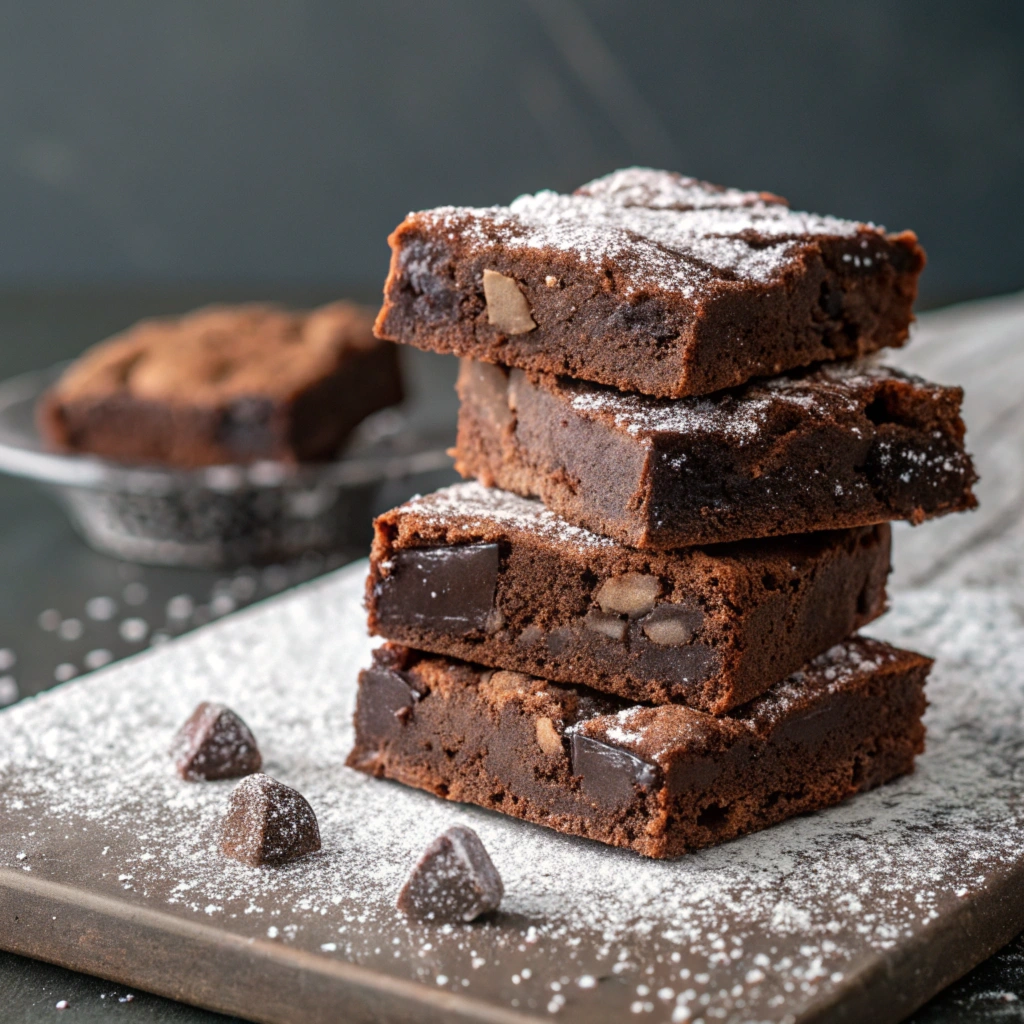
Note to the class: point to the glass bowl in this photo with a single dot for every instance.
(218, 515)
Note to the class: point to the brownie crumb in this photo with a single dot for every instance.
(215, 744)
(268, 823)
(454, 880)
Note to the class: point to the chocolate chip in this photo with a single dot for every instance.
(450, 589)
(689, 663)
(610, 776)
(632, 594)
(606, 623)
(455, 880)
(507, 308)
(385, 702)
(215, 744)
(548, 738)
(672, 625)
(268, 823)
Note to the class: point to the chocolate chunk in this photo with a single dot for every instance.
(385, 701)
(268, 823)
(215, 744)
(507, 308)
(610, 775)
(455, 880)
(449, 589)
(688, 663)
(672, 625)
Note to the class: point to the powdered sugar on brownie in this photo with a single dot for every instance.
(656, 229)
(740, 414)
(469, 505)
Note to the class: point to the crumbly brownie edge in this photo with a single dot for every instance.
(747, 615)
(657, 343)
(645, 488)
(499, 741)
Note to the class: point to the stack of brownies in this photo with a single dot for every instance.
(658, 653)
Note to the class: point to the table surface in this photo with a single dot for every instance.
(51, 626)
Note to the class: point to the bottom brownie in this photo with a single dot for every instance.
(661, 780)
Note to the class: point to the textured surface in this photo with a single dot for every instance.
(46, 568)
(783, 922)
(707, 627)
(662, 780)
(224, 384)
(648, 281)
(845, 444)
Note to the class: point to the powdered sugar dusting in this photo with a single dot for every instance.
(657, 229)
(472, 505)
(767, 927)
(740, 414)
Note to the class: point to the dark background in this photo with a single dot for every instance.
(278, 142)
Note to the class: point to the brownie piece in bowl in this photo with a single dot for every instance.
(660, 780)
(845, 444)
(225, 385)
(487, 576)
(649, 281)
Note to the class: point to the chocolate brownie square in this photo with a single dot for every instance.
(660, 780)
(225, 384)
(489, 577)
(648, 281)
(838, 446)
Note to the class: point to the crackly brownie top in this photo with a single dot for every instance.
(658, 229)
(491, 512)
(658, 734)
(662, 733)
(218, 353)
(832, 391)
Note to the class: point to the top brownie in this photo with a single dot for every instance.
(225, 384)
(648, 281)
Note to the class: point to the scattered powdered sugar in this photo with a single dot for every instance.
(769, 926)
(472, 505)
(741, 414)
(657, 229)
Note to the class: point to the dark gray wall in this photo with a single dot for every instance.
(280, 141)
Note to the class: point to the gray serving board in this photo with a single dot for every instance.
(109, 863)
(857, 913)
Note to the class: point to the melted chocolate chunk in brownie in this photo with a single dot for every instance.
(660, 780)
(490, 577)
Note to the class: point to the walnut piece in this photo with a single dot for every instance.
(505, 680)
(507, 308)
(632, 594)
(608, 624)
(547, 737)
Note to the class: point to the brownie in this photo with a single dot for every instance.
(648, 281)
(225, 384)
(661, 780)
(837, 446)
(486, 576)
